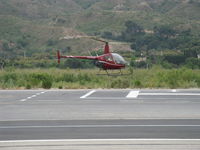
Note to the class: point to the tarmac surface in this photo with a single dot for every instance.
(100, 129)
(141, 119)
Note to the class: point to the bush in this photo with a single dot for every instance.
(175, 59)
(28, 86)
(46, 84)
(36, 79)
(141, 64)
(68, 77)
(193, 63)
(60, 87)
(153, 78)
(120, 83)
(84, 77)
(10, 76)
(137, 83)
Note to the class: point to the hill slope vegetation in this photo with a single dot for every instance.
(35, 27)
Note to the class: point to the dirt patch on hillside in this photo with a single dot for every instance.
(70, 33)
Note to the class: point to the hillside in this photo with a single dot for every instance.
(37, 26)
(110, 15)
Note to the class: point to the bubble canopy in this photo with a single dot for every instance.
(118, 59)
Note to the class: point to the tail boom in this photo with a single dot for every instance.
(59, 56)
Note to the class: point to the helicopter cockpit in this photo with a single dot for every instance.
(118, 59)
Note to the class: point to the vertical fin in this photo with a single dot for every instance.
(58, 56)
(106, 49)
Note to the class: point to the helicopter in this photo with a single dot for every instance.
(106, 61)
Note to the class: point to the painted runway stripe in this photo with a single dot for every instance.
(133, 94)
(174, 90)
(100, 140)
(171, 94)
(35, 95)
(94, 126)
(88, 94)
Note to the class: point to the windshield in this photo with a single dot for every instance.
(118, 59)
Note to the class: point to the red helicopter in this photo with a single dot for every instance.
(107, 61)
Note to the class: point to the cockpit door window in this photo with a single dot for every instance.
(118, 59)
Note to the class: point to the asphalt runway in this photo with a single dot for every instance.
(96, 129)
(100, 114)
(99, 104)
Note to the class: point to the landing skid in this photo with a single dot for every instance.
(120, 73)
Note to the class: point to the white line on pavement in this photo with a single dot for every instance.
(88, 94)
(171, 94)
(86, 140)
(133, 94)
(35, 95)
(96, 126)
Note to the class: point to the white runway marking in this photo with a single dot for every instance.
(171, 94)
(35, 95)
(133, 94)
(88, 94)
(90, 140)
(96, 126)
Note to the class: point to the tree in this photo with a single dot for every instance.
(5, 46)
(192, 52)
(2, 63)
(22, 42)
(175, 59)
(133, 28)
(164, 31)
(132, 32)
(108, 35)
(193, 63)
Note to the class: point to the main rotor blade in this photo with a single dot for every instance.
(79, 37)
(96, 39)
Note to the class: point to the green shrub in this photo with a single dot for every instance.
(60, 87)
(68, 77)
(172, 78)
(141, 78)
(120, 83)
(46, 84)
(10, 76)
(28, 86)
(198, 81)
(34, 79)
(38, 79)
(137, 83)
(84, 77)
